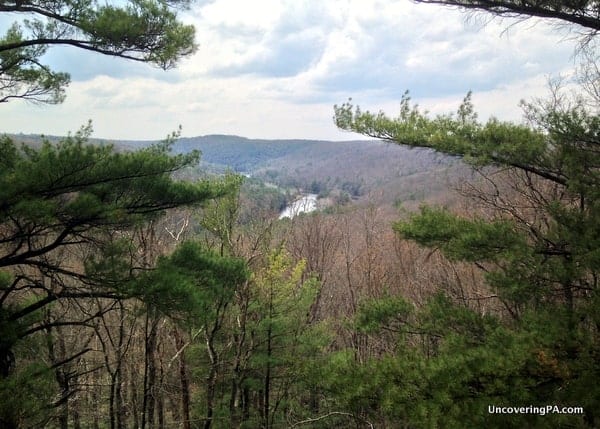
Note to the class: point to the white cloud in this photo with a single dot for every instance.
(274, 68)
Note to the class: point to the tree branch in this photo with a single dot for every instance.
(83, 44)
(521, 8)
(333, 413)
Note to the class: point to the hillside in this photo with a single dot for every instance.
(358, 170)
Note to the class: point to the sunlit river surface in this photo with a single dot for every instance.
(306, 204)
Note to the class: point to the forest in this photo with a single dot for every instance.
(141, 287)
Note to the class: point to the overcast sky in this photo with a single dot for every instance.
(275, 68)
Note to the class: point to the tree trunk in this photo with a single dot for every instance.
(160, 398)
(267, 384)
(76, 419)
(148, 405)
(236, 400)
(184, 380)
(133, 391)
(111, 400)
(60, 374)
(119, 405)
(95, 405)
(211, 382)
(7, 363)
(245, 403)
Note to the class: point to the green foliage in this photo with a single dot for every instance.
(67, 212)
(140, 30)
(25, 394)
(286, 345)
(476, 361)
(354, 189)
(389, 312)
(221, 215)
(282, 305)
(258, 196)
(386, 386)
(557, 153)
(80, 185)
(539, 257)
(461, 239)
(22, 76)
(190, 282)
(458, 134)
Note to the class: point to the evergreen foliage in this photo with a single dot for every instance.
(79, 252)
(538, 256)
(65, 214)
(139, 30)
(189, 282)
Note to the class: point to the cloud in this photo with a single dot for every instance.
(433, 54)
(377, 47)
(291, 55)
(282, 42)
(274, 68)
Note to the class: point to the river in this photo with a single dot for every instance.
(305, 204)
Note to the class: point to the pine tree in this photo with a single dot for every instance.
(146, 31)
(66, 213)
(540, 253)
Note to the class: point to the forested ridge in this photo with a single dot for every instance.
(141, 288)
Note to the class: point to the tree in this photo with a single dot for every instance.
(283, 337)
(202, 284)
(65, 212)
(538, 250)
(585, 13)
(542, 261)
(139, 30)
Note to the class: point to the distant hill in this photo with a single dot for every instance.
(242, 154)
(359, 168)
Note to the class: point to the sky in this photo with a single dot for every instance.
(275, 68)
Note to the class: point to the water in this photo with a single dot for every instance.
(306, 204)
